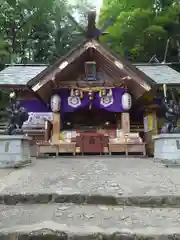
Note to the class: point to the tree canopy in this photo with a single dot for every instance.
(142, 28)
(37, 31)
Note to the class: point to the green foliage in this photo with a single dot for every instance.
(3, 50)
(36, 31)
(141, 28)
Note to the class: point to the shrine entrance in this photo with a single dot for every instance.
(90, 119)
(92, 128)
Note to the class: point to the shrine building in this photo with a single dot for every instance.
(91, 101)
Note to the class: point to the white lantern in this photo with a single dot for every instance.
(55, 103)
(12, 95)
(126, 101)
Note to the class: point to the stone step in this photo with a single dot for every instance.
(89, 199)
(111, 181)
(69, 221)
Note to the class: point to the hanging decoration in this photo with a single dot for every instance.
(55, 103)
(91, 96)
(106, 97)
(126, 101)
(102, 93)
(78, 93)
(74, 100)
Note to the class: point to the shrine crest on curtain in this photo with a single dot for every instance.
(106, 98)
(74, 100)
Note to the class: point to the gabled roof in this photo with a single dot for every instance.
(50, 69)
(19, 75)
(118, 68)
(141, 77)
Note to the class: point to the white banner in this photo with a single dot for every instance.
(36, 119)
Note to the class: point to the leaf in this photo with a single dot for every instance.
(137, 28)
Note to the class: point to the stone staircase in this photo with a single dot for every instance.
(70, 221)
(66, 199)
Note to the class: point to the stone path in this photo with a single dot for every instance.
(110, 195)
(84, 215)
(93, 219)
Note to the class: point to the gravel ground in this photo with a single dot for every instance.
(93, 175)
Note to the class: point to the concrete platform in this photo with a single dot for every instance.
(166, 149)
(14, 151)
(89, 222)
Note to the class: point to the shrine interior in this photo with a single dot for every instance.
(101, 120)
(89, 119)
(95, 118)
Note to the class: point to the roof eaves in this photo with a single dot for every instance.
(50, 68)
(17, 86)
(26, 65)
(130, 65)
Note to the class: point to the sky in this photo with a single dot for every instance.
(96, 3)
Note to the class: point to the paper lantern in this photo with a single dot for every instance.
(12, 95)
(55, 103)
(126, 101)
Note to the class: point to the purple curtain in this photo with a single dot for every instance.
(112, 104)
(35, 106)
(70, 104)
(115, 106)
(67, 104)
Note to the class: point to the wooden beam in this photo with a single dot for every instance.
(108, 64)
(136, 88)
(89, 84)
(138, 77)
(58, 69)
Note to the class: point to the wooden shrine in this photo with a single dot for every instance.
(91, 101)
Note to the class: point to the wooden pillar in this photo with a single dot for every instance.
(47, 129)
(150, 129)
(118, 121)
(56, 128)
(125, 122)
